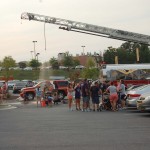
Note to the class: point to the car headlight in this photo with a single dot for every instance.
(142, 98)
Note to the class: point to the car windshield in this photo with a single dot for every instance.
(20, 83)
(63, 83)
(141, 87)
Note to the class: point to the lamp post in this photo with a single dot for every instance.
(34, 49)
(37, 55)
(99, 59)
(31, 54)
(83, 49)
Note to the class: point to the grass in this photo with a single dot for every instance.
(33, 74)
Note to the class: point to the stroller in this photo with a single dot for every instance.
(105, 105)
(48, 98)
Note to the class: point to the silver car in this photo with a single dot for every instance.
(133, 95)
(143, 103)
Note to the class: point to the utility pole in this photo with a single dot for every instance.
(83, 49)
(34, 49)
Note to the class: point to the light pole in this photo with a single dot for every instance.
(34, 49)
(31, 54)
(83, 49)
(37, 55)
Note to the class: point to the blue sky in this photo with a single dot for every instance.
(17, 36)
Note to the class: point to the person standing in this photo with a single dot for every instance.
(95, 92)
(38, 95)
(77, 89)
(4, 90)
(122, 91)
(113, 95)
(86, 95)
(70, 95)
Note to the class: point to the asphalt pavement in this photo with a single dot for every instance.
(27, 127)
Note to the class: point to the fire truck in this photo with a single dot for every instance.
(95, 30)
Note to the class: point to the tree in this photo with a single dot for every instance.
(90, 63)
(7, 63)
(76, 62)
(90, 73)
(54, 63)
(22, 64)
(68, 60)
(34, 63)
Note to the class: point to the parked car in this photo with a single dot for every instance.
(18, 86)
(59, 85)
(28, 68)
(11, 84)
(133, 95)
(143, 103)
(133, 87)
(80, 67)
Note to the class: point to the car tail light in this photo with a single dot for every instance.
(134, 95)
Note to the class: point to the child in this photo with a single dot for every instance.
(56, 98)
(38, 95)
(49, 99)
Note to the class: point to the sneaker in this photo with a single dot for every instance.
(88, 110)
(83, 110)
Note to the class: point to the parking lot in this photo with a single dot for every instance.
(32, 128)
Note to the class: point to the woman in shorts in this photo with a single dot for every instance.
(70, 95)
(113, 95)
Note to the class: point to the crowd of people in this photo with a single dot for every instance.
(94, 93)
(86, 95)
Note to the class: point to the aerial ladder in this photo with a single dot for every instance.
(89, 28)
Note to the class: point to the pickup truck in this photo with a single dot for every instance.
(59, 85)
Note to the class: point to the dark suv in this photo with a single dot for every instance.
(18, 86)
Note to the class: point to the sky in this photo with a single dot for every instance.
(17, 35)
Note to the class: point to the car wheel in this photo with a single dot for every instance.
(61, 95)
(30, 96)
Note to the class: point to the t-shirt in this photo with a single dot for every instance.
(85, 90)
(38, 92)
(77, 92)
(94, 91)
(122, 89)
(112, 89)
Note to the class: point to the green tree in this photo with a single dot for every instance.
(90, 63)
(7, 63)
(68, 60)
(76, 62)
(54, 63)
(90, 73)
(22, 64)
(34, 63)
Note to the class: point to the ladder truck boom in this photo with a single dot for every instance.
(89, 28)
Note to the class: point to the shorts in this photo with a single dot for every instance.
(95, 100)
(86, 99)
(113, 97)
(123, 97)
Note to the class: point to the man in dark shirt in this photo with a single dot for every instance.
(95, 92)
(85, 95)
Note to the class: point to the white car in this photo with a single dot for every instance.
(143, 103)
(133, 95)
(28, 68)
(80, 67)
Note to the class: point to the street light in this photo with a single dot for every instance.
(37, 55)
(83, 49)
(34, 49)
(99, 60)
(31, 54)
